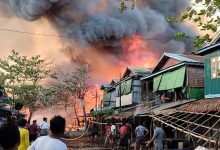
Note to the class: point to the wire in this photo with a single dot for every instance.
(65, 36)
(32, 33)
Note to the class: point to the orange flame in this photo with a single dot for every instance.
(138, 52)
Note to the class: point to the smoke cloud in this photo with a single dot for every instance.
(96, 28)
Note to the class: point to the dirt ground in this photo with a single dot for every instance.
(84, 143)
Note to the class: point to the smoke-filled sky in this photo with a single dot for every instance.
(96, 33)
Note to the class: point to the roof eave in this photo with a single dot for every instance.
(207, 48)
(173, 67)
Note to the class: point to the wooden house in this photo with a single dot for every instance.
(109, 93)
(176, 76)
(130, 86)
(211, 55)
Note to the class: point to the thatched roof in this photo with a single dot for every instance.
(205, 105)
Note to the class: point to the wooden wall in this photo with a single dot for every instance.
(195, 76)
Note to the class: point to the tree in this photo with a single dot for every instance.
(202, 12)
(75, 84)
(57, 94)
(22, 78)
(123, 7)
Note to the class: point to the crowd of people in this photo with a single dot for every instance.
(124, 133)
(20, 136)
(47, 136)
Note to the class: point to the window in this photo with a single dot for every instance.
(215, 67)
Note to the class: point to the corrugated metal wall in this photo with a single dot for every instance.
(196, 93)
(136, 91)
(212, 86)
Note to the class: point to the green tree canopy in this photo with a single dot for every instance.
(21, 77)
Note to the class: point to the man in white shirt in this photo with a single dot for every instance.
(44, 127)
(52, 141)
(113, 134)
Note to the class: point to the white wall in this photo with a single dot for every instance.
(125, 100)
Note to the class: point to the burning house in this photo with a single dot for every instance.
(109, 96)
(130, 86)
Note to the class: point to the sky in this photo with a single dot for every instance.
(96, 21)
(25, 44)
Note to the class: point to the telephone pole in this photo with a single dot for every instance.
(96, 97)
(120, 93)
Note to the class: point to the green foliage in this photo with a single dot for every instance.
(123, 5)
(205, 18)
(201, 39)
(106, 112)
(21, 78)
(181, 35)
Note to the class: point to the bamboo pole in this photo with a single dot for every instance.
(212, 128)
(180, 127)
(207, 113)
(211, 137)
(190, 119)
(179, 114)
(198, 125)
(205, 121)
(186, 132)
(197, 119)
(183, 117)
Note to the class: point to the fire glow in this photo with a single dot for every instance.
(88, 22)
(138, 52)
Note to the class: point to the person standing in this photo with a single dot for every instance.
(107, 133)
(33, 131)
(140, 132)
(129, 132)
(113, 134)
(123, 143)
(53, 140)
(24, 135)
(93, 132)
(44, 127)
(159, 137)
(9, 136)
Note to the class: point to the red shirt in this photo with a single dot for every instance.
(107, 129)
(123, 130)
(32, 129)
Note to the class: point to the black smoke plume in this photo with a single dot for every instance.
(98, 22)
